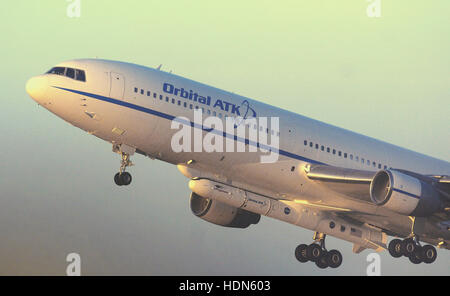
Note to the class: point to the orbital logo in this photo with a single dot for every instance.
(243, 110)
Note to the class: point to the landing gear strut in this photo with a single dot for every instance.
(123, 178)
(411, 248)
(317, 253)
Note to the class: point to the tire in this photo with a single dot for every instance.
(429, 254)
(408, 247)
(126, 178)
(334, 258)
(395, 248)
(300, 253)
(118, 180)
(314, 252)
(416, 257)
(322, 262)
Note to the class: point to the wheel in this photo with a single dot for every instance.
(416, 257)
(395, 248)
(429, 254)
(118, 180)
(322, 261)
(314, 252)
(125, 178)
(408, 247)
(334, 258)
(300, 253)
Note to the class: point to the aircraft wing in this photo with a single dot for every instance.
(356, 184)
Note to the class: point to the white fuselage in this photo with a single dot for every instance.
(129, 104)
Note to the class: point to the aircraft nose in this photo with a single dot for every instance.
(36, 87)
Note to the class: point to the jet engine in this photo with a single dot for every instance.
(404, 194)
(220, 213)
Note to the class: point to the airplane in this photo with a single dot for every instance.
(330, 180)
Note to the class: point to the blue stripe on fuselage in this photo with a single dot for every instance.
(171, 117)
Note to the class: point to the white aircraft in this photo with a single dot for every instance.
(323, 178)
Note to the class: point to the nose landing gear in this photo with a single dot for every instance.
(317, 253)
(123, 178)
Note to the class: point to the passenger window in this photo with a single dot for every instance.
(70, 73)
(306, 143)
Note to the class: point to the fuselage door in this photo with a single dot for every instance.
(117, 86)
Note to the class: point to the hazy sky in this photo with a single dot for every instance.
(385, 77)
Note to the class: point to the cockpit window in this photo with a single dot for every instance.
(57, 71)
(70, 73)
(76, 74)
(80, 75)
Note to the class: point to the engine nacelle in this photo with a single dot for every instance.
(404, 194)
(220, 213)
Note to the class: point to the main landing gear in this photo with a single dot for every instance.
(123, 178)
(411, 248)
(317, 253)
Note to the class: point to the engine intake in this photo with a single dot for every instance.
(404, 194)
(220, 213)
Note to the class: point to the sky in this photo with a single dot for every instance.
(386, 77)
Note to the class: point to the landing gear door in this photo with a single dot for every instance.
(117, 86)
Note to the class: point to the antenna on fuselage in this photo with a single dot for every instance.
(159, 67)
